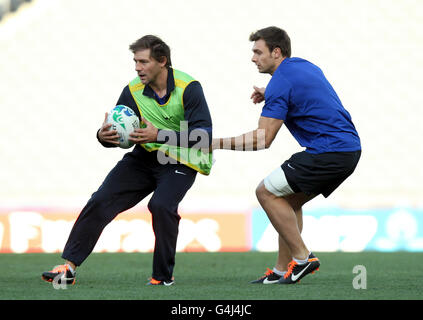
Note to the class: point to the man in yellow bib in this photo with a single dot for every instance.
(172, 145)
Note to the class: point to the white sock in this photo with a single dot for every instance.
(302, 261)
(278, 272)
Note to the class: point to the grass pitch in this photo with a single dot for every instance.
(214, 276)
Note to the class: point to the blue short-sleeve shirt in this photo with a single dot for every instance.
(300, 94)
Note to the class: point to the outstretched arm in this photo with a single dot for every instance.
(258, 139)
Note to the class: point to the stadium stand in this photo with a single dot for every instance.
(64, 63)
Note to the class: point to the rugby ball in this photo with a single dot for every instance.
(124, 121)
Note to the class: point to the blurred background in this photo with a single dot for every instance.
(64, 63)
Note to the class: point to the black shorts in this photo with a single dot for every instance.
(319, 173)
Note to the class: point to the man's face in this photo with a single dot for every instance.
(263, 58)
(147, 67)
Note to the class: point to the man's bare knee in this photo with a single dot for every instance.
(262, 193)
(297, 200)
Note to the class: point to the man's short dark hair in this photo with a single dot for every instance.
(158, 48)
(274, 37)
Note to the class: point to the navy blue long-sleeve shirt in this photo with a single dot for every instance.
(196, 112)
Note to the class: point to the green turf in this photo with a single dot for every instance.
(214, 276)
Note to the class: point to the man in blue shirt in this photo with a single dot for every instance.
(299, 96)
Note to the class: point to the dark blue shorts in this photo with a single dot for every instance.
(319, 173)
